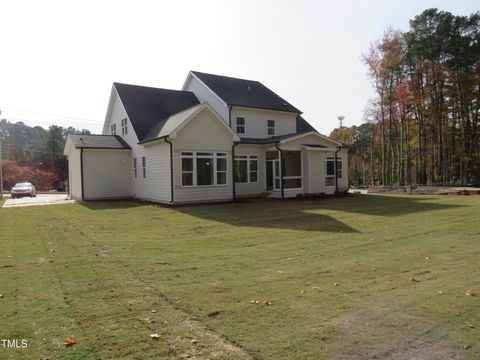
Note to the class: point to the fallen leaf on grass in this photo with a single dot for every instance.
(194, 341)
(70, 341)
(470, 293)
(1, 296)
(414, 279)
(336, 284)
(155, 336)
(440, 292)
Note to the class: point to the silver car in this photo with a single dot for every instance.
(23, 189)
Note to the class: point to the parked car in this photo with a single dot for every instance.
(23, 189)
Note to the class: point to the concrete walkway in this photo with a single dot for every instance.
(41, 199)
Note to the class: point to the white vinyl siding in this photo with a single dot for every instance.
(156, 187)
(256, 121)
(343, 181)
(316, 181)
(203, 134)
(252, 188)
(106, 174)
(74, 175)
(204, 94)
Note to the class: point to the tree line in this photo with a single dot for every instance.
(422, 126)
(34, 154)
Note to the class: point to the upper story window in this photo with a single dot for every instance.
(113, 129)
(124, 126)
(135, 167)
(240, 125)
(271, 127)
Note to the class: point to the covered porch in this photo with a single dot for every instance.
(284, 173)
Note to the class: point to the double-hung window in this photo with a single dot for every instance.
(246, 169)
(135, 167)
(124, 126)
(271, 127)
(339, 168)
(330, 171)
(240, 125)
(144, 167)
(113, 129)
(204, 168)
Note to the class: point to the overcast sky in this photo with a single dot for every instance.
(58, 59)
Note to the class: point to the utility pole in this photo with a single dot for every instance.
(340, 121)
(1, 166)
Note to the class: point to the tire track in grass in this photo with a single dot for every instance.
(222, 347)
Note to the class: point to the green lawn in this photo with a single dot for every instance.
(348, 278)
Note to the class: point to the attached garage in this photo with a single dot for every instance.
(99, 167)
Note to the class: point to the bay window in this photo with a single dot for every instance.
(204, 168)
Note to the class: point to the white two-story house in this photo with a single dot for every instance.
(217, 139)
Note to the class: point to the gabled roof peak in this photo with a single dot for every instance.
(244, 93)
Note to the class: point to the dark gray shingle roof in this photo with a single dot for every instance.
(270, 140)
(303, 126)
(149, 108)
(99, 142)
(247, 93)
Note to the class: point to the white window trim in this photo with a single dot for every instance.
(244, 126)
(124, 126)
(327, 159)
(144, 167)
(215, 155)
(271, 128)
(247, 158)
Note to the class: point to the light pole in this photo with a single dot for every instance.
(1, 173)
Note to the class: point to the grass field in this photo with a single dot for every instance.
(347, 278)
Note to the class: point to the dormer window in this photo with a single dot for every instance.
(271, 127)
(113, 129)
(124, 126)
(240, 125)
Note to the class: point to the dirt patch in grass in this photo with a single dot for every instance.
(206, 344)
(394, 334)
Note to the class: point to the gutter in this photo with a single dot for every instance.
(81, 170)
(281, 170)
(171, 169)
(233, 170)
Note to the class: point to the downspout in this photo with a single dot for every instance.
(81, 170)
(171, 168)
(230, 115)
(281, 170)
(233, 170)
(336, 170)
